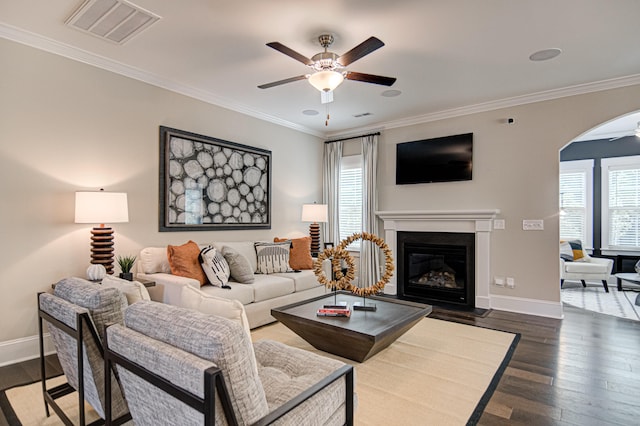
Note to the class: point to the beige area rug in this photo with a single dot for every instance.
(438, 373)
(28, 406)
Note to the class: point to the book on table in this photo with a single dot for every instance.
(334, 312)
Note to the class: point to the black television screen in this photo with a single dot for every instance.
(442, 159)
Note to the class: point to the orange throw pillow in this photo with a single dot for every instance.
(300, 253)
(184, 261)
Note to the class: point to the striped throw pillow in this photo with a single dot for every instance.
(214, 266)
(273, 257)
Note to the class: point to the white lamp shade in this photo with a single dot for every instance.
(101, 207)
(315, 213)
(326, 81)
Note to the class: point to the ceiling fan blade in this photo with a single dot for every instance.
(363, 49)
(290, 52)
(285, 81)
(369, 78)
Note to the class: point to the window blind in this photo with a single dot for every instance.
(624, 207)
(621, 203)
(350, 198)
(576, 201)
(573, 206)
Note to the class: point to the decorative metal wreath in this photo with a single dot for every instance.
(344, 281)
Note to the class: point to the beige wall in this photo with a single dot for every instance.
(515, 169)
(66, 126)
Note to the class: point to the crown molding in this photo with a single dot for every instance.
(43, 43)
(546, 95)
(52, 46)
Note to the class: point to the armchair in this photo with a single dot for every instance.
(179, 366)
(76, 314)
(587, 268)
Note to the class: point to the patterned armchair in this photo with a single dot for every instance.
(77, 313)
(179, 366)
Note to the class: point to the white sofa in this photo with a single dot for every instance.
(266, 292)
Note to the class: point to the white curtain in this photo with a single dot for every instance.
(369, 252)
(330, 189)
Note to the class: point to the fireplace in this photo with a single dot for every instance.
(476, 222)
(436, 267)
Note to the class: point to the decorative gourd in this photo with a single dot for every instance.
(96, 272)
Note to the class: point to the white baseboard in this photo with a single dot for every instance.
(483, 302)
(541, 308)
(18, 350)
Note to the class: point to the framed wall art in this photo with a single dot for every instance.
(211, 184)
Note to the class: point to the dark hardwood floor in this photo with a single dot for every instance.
(583, 370)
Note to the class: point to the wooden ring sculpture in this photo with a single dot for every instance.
(342, 281)
(388, 271)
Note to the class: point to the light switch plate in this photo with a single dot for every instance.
(498, 224)
(533, 225)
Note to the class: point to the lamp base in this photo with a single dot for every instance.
(314, 232)
(102, 248)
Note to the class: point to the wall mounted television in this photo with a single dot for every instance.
(445, 159)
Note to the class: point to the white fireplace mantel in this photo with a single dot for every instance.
(478, 222)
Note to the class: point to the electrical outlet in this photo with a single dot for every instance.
(499, 281)
(533, 225)
(511, 283)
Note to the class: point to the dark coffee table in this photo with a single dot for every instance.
(359, 337)
(632, 278)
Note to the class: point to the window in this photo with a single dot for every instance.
(350, 198)
(576, 201)
(621, 203)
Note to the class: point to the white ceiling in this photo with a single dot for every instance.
(449, 56)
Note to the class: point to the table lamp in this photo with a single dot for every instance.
(102, 207)
(314, 213)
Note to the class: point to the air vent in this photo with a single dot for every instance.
(364, 114)
(116, 21)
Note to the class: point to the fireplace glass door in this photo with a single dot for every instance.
(437, 268)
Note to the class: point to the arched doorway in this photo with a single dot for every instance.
(599, 198)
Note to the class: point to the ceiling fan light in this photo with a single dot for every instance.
(326, 81)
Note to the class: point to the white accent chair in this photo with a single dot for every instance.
(586, 269)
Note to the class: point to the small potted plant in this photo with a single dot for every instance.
(126, 264)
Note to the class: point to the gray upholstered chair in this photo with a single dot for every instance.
(178, 366)
(76, 314)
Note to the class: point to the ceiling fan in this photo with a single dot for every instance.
(635, 132)
(328, 69)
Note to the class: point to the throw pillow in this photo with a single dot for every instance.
(273, 257)
(239, 266)
(184, 261)
(215, 267)
(154, 259)
(566, 252)
(576, 247)
(192, 298)
(133, 290)
(300, 254)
